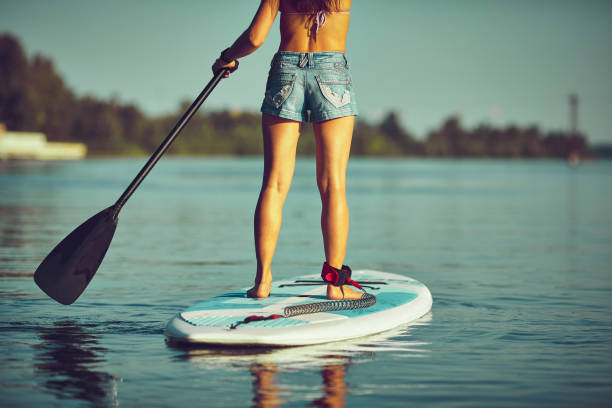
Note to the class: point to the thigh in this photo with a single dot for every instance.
(280, 137)
(333, 145)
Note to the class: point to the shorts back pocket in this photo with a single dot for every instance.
(335, 87)
(279, 88)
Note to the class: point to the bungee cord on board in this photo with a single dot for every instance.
(366, 300)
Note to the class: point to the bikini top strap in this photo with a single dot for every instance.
(320, 18)
(320, 11)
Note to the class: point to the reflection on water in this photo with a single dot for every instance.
(266, 392)
(265, 387)
(67, 362)
(330, 360)
(333, 385)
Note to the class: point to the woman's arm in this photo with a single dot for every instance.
(251, 39)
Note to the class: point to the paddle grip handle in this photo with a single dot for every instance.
(167, 142)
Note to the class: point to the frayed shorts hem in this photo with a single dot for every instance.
(298, 117)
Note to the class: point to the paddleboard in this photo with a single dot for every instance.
(217, 321)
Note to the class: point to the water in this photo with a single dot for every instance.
(516, 254)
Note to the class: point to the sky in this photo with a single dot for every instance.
(497, 62)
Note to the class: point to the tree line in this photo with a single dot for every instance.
(34, 97)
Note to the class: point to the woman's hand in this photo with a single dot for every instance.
(222, 63)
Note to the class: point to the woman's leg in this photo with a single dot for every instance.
(333, 139)
(280, 138)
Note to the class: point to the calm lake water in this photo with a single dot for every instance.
(517, 255)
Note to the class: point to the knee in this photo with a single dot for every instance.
(277, 186)
(331, 187)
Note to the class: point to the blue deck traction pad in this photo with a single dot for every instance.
(385, 300)
(227, 321)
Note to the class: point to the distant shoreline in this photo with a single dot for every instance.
(44, 103)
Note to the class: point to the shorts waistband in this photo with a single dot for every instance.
(310, 59)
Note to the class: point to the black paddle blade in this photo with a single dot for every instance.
(67, 270)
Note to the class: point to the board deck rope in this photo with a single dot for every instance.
(366, 300)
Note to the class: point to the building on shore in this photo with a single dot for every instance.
(34, 146)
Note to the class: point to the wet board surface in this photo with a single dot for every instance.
(399, 300)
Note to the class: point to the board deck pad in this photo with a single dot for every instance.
(399, 300)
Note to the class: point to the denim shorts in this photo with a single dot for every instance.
(309, 87)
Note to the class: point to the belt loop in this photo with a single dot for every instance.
(303, 58)
(311, 60)
(346, 62)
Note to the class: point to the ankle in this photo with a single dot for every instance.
(263, 277)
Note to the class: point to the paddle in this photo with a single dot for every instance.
(67, 270)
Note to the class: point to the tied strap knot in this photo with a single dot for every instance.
(338, 277)
(320, 20)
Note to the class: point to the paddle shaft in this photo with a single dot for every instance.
(167, 142)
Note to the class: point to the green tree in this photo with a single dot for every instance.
(14, 98)
(399, 139)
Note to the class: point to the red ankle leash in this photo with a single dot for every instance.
(338, 277)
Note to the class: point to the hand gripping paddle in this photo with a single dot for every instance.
(67, 270)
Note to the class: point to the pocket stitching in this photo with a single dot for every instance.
(347, 79)
(333, 97)
(281, 96)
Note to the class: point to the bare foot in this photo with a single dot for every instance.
(260, 290)
(342, 292)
